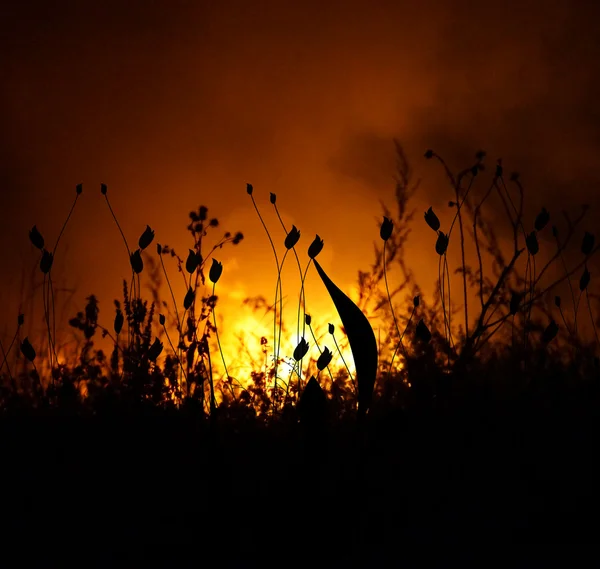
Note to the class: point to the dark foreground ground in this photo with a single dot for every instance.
(143, 487)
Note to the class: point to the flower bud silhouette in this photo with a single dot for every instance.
(292, 237)
(215, 271)
(550, 332)
(21, 319)
(46, 261)
(36, 238)
(557, 301)
(587, 244)
(301, 350)
(584, 281)
(79, 189)
(307, 319)
(159, 248)
(428, 154)
(331, 328)
(387, 226)
(161, 319)
(136, 262)
(189, 298)
(441, 245)
(416, 301)
(324, 359)
(146, 238)
(191, 263)
(432, 220)
(315, 247)
(542, 219)
(422, 332)
(249, 189)
(103, 189)
(119, 319)
(202, 213)
(273, 198)
(155, 350)
(27, 350)
(532, 243)
(515, 301)
(499, 169)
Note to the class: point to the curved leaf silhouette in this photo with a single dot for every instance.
(362, 341)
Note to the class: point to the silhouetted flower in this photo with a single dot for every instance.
(301, 350)
(237, 238)
(161, 319)
(292, 237)
(103, 189)
(46, 261)
(273, 198)
(159, 248)
(587, 244)
(532, 243)
(191, 263)
(36, 238)
(21, 319)
(119, 320)
(416, 301)
(428, 154)
(422, 332)
(202, 213)
(315, 247)
(331, 329)
(550, 332)
(189, 298)
(542, 219)
(214, 222)
(249, 189)
(441, 245)
(452, 204)
(557, 301)
(307, 319)
(584, 281)
(136, 262)
(155, 349)
(79, 189)
(324, 359)
(499, 169)
(515, 301)
(432, 220)
(215, 271)
(146, 238)
(27, 350)
(387, 226)
(475, 170)
(480, 154)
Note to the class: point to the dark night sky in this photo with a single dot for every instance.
(177, 103)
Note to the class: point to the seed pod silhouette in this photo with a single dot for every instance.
(36, 238)
(542, 219)
(584, 281)
(387, 226)
(159, 248)
(202, 213)
(161, 319)
(119, 319)
(441, 245)
(361, 338)
(324, 359)
(307, 319)
(550, 332)
(532, 243)
(27, 350)
(428, 154)
(46, 261)
(301, 350)
(422, 332)
(189, 298)
(416, 301)
(146, 238)
(331, 328)
(499, 169)
(155, 350)
(249, 189)
(136, 262)
(191, 263)
(515, 302)
(557, 301)
(215, 271)
(315, 247)
(292, 237)
(273, 198)
(103, 189)
(79, 189)
(21, 319)
(432, 220)
(587, 243)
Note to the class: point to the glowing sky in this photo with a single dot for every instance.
(178, 103)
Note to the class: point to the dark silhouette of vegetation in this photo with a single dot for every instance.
(478, 419)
